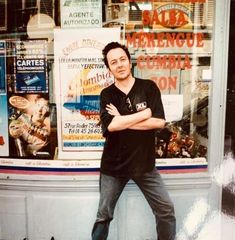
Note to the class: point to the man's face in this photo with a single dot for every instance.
(119, 64)
(40, 110)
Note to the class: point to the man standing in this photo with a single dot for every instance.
(131, 110)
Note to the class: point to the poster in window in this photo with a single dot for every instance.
(81, 75)
(31, 66)
(29, 125)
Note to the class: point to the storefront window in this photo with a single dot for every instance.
(52, 73)
(173, 47)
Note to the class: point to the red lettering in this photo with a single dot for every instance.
(199, 40)
(160, 39)
(164, 62)
(140, 62)
(166, 82)
(144, 39)
(146, 17)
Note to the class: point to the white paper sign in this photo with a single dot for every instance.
(80, 76)
(81, 14)
(173, 107)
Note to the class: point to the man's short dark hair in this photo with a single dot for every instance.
(113, 45)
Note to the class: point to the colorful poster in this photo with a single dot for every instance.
(81, 14)
(31, 66)
(4, 147)
(29, 125)
(81, 75)
(2, 67)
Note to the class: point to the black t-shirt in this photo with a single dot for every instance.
(129, 152)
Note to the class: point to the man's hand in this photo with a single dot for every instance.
(112, 110)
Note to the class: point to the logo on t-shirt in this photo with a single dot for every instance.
(141, 106)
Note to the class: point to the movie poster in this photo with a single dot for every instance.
(31, 66)
(81, 75)
(29, 125)
(4, 147)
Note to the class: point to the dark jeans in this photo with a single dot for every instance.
(153, 188)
